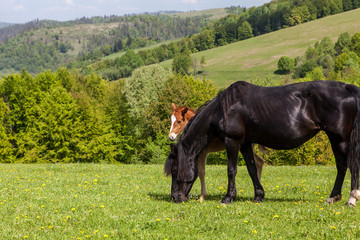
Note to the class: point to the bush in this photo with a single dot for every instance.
(286, 64)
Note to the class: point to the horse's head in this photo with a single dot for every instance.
(179, 118)
(183, 173)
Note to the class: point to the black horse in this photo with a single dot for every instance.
(281, 117)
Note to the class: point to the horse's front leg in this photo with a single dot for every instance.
(232, 150)
(201, 169)
(248, 154)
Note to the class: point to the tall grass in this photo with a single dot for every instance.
(90, 201)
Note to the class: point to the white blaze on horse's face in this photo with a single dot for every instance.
(172, 135)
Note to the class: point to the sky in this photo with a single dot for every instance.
(22, 11)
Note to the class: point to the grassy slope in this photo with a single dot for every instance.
(256, 58)
(92, 201)
(214, 13)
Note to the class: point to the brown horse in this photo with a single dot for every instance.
(179, 118)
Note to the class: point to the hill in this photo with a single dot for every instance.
(212, 14)
(255, 59)
(40, 45)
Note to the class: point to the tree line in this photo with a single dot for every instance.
(64, 116)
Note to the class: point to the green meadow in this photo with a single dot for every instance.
(93, 201)
(255, 59)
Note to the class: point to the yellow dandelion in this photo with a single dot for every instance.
(276, 216)
(254, 232)
(333, 227)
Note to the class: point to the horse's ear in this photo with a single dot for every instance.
(173, 106)
(183, 112)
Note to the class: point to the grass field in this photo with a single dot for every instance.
(256, 59)
(213, 14)
(90, 201)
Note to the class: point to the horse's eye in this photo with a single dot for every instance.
(179, 121)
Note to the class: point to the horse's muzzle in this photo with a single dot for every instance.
(172, 136)
(179, 198)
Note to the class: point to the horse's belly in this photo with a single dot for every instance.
(284, 140)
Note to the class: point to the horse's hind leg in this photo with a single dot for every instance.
(341, 166)
(259, 162)
(355, 193)
(201, 169)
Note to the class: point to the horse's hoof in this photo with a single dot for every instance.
(202, 198)
(259, 196)
(332, 200)
(226, 200)
(351, 202)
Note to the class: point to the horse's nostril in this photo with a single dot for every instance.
(172, 137)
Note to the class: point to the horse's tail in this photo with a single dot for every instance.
(353, 159)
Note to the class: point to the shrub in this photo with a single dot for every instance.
(286, 64)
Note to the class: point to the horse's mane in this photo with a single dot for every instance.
(214, 110)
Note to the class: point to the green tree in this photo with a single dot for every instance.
(340, 62)
(342, 42)
(286, 64)
(141, 90)
(355, 43)
(245, 31)
(6, 148)
(181, 63)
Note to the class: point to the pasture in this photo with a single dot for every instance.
(255, 59)
(94, 201)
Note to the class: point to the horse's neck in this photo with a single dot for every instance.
(196, 141)
(189, 114)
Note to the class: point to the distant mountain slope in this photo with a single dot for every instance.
(39, 45)
(256, 58)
